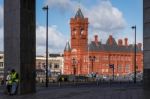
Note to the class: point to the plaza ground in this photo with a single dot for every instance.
(105, 91)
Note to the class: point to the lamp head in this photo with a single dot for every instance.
(133, 27)
(45, 7)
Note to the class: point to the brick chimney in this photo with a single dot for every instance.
(120, 42)
(140, 45)
(110, 39)
(96, 39)
(126, 41)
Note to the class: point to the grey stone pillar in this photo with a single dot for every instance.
(20, 41)
(146, 38)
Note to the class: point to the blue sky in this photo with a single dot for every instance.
(106, 17)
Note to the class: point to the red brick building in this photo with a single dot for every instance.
(82, 58)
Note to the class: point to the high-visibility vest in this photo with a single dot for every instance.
(9, 82)
(14, 77)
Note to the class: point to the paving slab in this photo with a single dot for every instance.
(84, 93)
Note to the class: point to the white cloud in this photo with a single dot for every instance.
(105, 20)
(1, 28)
(1, 16)
(105, 17)
(56, 40)
(62, 5)
(1, 39)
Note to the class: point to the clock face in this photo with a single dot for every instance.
(74, 32)
(82, 32)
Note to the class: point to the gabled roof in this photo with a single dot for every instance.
(79, 14)
(113, 41)
(67, 47)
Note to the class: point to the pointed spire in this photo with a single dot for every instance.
(79, 14)
(67, 47)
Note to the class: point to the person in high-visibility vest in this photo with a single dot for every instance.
(15, 81)
(8, 82)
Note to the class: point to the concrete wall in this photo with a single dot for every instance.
(20, 41)
(146, 38)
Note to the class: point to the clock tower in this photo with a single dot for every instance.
(79, 31)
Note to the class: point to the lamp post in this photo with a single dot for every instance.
(134, 27)
(45, 8)
(92, 59)
(73, 64)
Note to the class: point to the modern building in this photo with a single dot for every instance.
(55, 66)
(81, 58)
(1, 65)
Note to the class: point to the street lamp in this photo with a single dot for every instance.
(92, 59)
(73, 64)
(134, 27)
(45, 8)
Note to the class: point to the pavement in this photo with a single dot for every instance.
(85, 92)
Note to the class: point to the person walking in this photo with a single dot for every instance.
(15, 82)
(8, 82)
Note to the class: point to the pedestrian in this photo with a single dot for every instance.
(15, 82)
(8, 82)
(62, 79)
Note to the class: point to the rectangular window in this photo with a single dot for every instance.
(50, 65)
(105, 57)
(129, 58)
(56, 66)
(1, 64)
(127, 68)
(119, 68)
(118, 58)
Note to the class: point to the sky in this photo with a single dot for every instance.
(106, 17)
